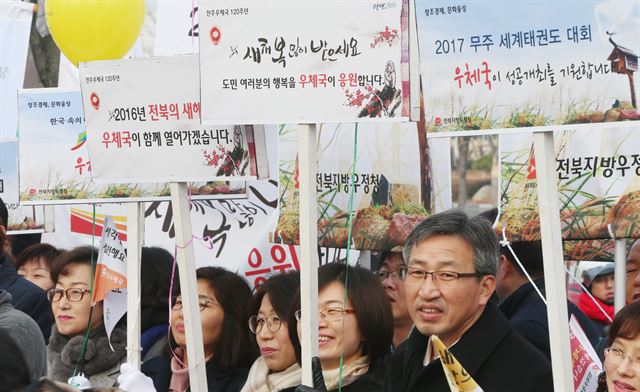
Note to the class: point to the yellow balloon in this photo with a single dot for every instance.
(87, 30)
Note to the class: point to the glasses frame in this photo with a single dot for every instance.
(269, 322)
(53, 292)
(620, 357)
(202, 305)
(323, 314)
(437, 280)
(394, 275)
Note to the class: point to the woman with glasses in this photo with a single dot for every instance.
(355, 328)
(78, 342)
(276, 368)
(622, 357)
(229, 348)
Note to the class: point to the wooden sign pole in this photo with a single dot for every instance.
(620, 275)
(188, 283)
(135, 240)
(556, 291)
(309, 248)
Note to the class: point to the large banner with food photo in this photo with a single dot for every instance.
(55, 167)
(300, 61)
(598, 173)
(521, 64)
(386, 185)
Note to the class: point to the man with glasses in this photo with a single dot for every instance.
(26, 296)
(449, 278)
(390, 276)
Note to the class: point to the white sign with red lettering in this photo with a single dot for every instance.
(111, 276)
(152, 133)
(300, 62)
(586, 364)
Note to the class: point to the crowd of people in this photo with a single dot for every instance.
(452, 280)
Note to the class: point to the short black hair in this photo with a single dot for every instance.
(371, 305)
(80, 255)
(36, 251)
(476, 231)
(155, 280)
(20, 242)
(530, 255)
(236, 347)
(281, 289)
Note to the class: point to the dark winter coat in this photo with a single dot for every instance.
(528, 316)
(490, 351)
(159, 370)
(26, 296)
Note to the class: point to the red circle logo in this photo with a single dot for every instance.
(215, 35)
(95, 101)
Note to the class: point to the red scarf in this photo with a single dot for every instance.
(588, 307)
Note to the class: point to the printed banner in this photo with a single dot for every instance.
(153, 133)
(521, 64)
(55, 167)
(387, 184)
(229, 233)
(598, 173)
(111, 276)
(22, 219)
(15, 25)
(457, 377)
(586, 364)
(300, 62)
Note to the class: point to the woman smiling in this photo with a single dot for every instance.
(355, 328)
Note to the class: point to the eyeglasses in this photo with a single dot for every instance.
(72, 294)
(615, 356)
(393, 275)
(203, 305)
(416, 276)
(256, 323)
(329, 314)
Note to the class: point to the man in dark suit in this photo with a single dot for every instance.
(449, 278)
(521, 303)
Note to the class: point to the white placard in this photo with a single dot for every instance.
(55, 167)
(111, 276)
(300, 62)
(152, 133)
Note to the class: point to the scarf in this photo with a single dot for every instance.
(350, 373)
(179, 375)
(63, 352)
(260, 380)
(585, 303)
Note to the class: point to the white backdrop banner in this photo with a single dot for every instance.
(300, 62)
